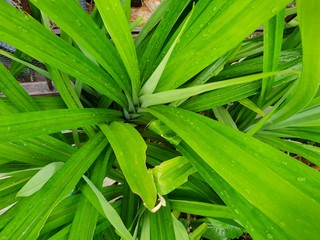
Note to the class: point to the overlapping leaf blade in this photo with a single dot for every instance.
(105, 208)
(262, 203)
(76, 22)
(214, 37)
(14, 92)
(43, 45)
(34, 210)
(273, 34)
(86, 215)
(276, 180)
(178, 94)
(114, 18)
(26, 125)
(129, 148)
(307, 86)
(172, 174)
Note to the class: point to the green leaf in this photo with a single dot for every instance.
(44, 46)
(307, 118)
(213, 34)
(6, 108)
(222, 114)
(86, 214)
(307, 86)
(76, 22)
(24, 64)
(156, 16)
(129, 148)
(251, 156)
(39, 179)
(114, 18)
(61, 215)
(152, 55)
(28, 153)
(309, 152)
(250, 105)
(145, 229)
(171, 174)
(258, 228)
(32, 212)
(152, 82)
(156, 229)
(218, 230)
(215, 68)
(198, 232)
(25, 125)
(226, 95)
(179, 230)
(14, 92)
(212, 70)
(11, 179)
(130, 206)
(67, 92)
(105, 208)
(273, 34)
(202, 209)
(177, 94)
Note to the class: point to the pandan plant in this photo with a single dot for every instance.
(204, 132)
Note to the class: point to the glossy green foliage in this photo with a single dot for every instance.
(307, 86)
(215, 153)
(116, 24)
(190, 131)
(129, 148)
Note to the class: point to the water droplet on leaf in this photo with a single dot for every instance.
(27, 18)
(78, 23)
(301, 179)
(269, 236)
(275, 10)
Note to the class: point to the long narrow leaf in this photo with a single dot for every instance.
(171, 174)
(152, 22)
(202, 209)
(154, 47)
(309, 152)
(115, 20)
(177, 94)
(129, 148)
(34, 211)
(308, 84)
(76, 22)
(273, 34)
(15, 93)
(24, 63)
(213, 35)
(39, 179)
(43, 45)
(152, 82)
(157, 230)
(105, 208)
(26, 125)
(276, 181)
(86, 214)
